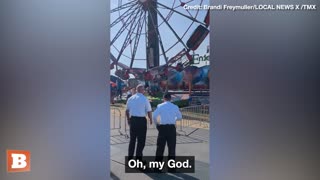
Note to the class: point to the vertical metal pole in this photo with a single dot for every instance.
(153, 41)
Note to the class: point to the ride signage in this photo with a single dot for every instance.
(196, 59)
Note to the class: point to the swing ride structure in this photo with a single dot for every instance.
(154, 40)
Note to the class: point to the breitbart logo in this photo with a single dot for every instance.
(18, 160)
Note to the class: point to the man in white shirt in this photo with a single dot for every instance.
(138, 106)
(169, 113)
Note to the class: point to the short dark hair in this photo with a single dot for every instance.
(167, 96)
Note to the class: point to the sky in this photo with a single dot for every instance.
(181, 25)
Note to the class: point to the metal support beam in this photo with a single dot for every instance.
(153, 41)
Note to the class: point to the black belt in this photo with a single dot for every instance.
(166, 125)
(138, 117)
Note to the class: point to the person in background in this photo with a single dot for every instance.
(119, 89)
(138, 107)
(112, 93)
(169, 113)
(131, 92)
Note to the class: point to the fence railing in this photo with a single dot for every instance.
(117, 121)
(194, 117)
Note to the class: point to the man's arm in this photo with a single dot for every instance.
(149, 110)
(127, 113)
(128, 116)
(155, 116)
(150, 116)
(178, 114)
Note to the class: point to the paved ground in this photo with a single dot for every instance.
(195, 144)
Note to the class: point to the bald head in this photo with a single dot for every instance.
(140, 88)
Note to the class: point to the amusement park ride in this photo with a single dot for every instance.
(147, 32)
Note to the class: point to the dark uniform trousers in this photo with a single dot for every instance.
(138, 130)
(167, 134)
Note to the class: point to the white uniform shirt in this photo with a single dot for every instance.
(169, 113)
(138, 105)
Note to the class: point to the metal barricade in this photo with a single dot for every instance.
(115, 115)
(194, 117)
(117, 121)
